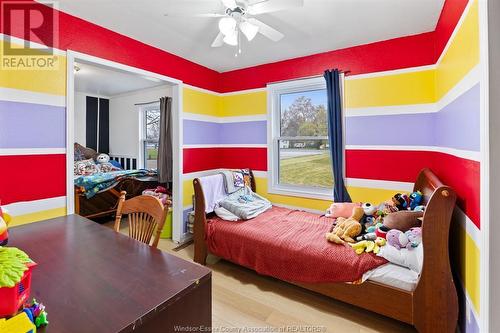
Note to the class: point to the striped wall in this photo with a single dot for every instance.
(411, 102)
(397, 121)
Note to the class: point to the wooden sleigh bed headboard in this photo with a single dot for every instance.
(432, 306)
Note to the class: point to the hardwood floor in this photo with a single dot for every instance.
(242, 298)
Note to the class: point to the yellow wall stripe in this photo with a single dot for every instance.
(244, 104)
(187, 192)
(50, 81)
(195, 101)
(398, 89)
(462, 54)
(37, 216)
(467, 260)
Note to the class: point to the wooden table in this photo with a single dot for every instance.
(92, 279)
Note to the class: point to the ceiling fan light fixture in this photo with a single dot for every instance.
(249, 30)
(231, 39)
(227, 25)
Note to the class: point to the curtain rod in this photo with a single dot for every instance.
(146, 103)
(305, 77)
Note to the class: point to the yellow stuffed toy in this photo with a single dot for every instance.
(346, 229)
(368, 245)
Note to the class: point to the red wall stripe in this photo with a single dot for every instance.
(395, 165)
(32, 177)
(83, 36)
(200, 159)
(410, 51)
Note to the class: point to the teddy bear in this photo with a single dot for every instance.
(346, 229)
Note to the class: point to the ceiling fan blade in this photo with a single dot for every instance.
(231, 4)
(193, 15)
(269, 6)
(218, 41)
(266, 30)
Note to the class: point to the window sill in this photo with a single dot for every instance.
(307, 193)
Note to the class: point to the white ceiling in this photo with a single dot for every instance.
(102, 81)
(319, 26)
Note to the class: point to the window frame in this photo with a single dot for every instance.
(274, 91)
(143, 130)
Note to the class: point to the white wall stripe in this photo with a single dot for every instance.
(223, 120)
(20, 41)
(467, 154)
(391, 72)
(31, 151)
(472, 230)
(214, 93)
(392, 110)
(467, 82)
(236, 145)
(25, 96)
(28, 207)
(380, 184)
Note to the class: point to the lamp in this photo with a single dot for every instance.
(231, 39)
(249, 30)
(227, 25)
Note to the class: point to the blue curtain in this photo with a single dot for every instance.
(335, 134)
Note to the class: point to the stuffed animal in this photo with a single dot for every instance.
(420, 208)
(367, 236)
(341, 209)
(398, 239)
(346, 229)
(415, 199)
(414, 236)
(401, 201)
(369, 209)
(368, 245)
(102, 158)
(4, 222)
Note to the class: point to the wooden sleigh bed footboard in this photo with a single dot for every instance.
(432, 306)
(104, 204)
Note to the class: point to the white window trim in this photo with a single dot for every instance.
(142, 131)
(273, 132)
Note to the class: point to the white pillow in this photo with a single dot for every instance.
(412, 259)
(224, 214)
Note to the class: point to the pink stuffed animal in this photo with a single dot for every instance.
(397, 238)
(341, 209)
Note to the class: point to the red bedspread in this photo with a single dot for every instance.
(289, 245)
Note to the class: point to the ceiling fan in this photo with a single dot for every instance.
(237, 20)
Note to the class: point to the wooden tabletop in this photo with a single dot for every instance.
(92, 279)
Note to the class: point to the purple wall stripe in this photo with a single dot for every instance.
(466, 321)
(455, 126)
(27, 125)
(203, 132)
(458, 123)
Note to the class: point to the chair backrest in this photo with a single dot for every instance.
(146, 217)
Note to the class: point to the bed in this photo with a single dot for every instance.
(431, 304)
(97, 190)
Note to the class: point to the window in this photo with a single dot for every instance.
(151, 134)
(300, 160)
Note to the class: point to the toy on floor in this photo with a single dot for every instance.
(20, 323)
(346, 229)
(36, 312)
(368, 245)
(5, 219)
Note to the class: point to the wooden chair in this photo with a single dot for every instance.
(146, 217)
